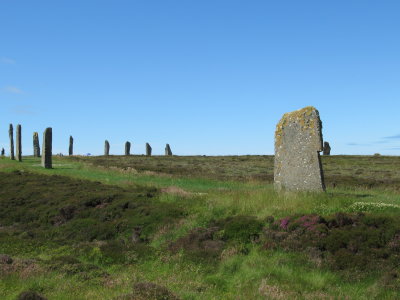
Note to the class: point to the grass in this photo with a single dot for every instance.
(93, 227)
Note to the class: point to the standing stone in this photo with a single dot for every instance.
(2, 152)
(327, 148)
(11, 135)
(168, 151)
(106, 148)
(148, 149)
(71, 146)
(298, 141)
(47, 148)
(127, 148)
(18, 147)
(36, 147)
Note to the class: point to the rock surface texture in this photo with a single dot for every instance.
(327, 148)
(18, 146)
(148, 149)
(168, 151)
(11, 135)
(36, 146)
(106, 148)
(47, 148)
(127, 148)
(298, 141)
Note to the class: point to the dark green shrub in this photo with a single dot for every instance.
(73, 267)
(242, 229)
(345, 241)
(30, 295)
(149, 291)
(199, 244)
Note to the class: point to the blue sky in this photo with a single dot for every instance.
(207, 77)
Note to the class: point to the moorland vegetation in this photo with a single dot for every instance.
(170, 227)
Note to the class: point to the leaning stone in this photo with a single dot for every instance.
(127, 148)
(18, 147)
(327, 148)
(106, 148)
(11, 135)
(47, 148)
(71, 146)
(298, 141)
(148, 149)
(168, 151)
(36, 147)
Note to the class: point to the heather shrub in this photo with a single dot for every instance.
(343, 241)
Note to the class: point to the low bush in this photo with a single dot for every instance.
(343, 241)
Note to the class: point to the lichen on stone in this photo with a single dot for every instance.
(298, 141)
(300, 116)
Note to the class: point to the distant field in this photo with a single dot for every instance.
(354, 171)
(197, 227)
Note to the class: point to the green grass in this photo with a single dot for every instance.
(70, 234)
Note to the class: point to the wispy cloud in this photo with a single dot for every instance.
(22, 110)
(381, 142)
(7, 61)
(358, 144)
(13, 90)
(393, 137)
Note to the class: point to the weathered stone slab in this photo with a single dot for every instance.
(18, 147)
(127, 148)
(106, 148)
(47, 148)
(11, 135)
(148, 149)
(327, 148)
(36, 147)
(168, 151)
(71, 146)
(298, 141)
(2, 152)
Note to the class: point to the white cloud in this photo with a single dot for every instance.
(6, 60)
(13, 90)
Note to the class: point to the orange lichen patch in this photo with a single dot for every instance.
(301, 116)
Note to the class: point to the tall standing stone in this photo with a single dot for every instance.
(2, 152)
(11, 135)
(47, 148)
(127, 148)
(327, 148)
(18, 146)
(71, 146)
(298, 141)
(106, 148)
(148, 149)
(168, 151)
(36, 146)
